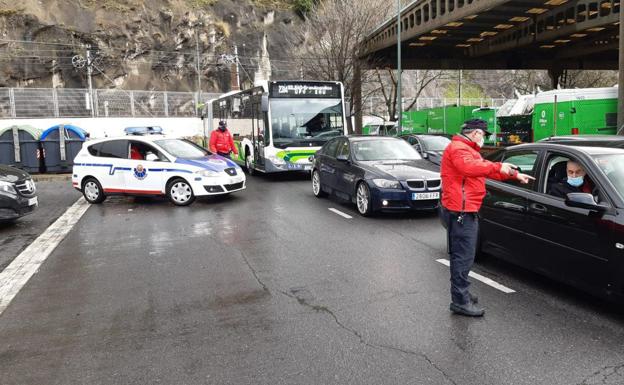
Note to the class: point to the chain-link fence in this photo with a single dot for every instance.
(377, 105)
(77, 102)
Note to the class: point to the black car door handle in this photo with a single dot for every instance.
(541, 209)
(510, 206)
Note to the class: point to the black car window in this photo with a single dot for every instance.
(556, 177)
(330, 148)
(343, 149)
(526, 162)
(411, 140)
(115, 149)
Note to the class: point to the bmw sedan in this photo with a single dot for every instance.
(569, 221)
(376, 173)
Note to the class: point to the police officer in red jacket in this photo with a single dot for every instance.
(221, 141)
(463, 173)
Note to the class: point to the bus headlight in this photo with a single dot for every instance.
(276, 160)
(207, 173)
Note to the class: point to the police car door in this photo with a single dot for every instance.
(109, 169)
(146, 169)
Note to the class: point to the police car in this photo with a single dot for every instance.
(153, 165)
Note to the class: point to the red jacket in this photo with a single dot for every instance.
(463, 173)
(221, 141)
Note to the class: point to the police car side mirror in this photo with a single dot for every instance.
(151, 157)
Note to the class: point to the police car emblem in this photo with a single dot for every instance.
(140, 172)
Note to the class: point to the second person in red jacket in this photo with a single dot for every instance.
(221, 141)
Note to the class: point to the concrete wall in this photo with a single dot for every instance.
(107, 127)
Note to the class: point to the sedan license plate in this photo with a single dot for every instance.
(425, 196)
(32, 201)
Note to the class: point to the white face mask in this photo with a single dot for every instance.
(481, 142)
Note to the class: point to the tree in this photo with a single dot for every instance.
(329, 43)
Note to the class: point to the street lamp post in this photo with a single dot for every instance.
(399, 97)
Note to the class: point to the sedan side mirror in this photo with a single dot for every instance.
(584, 201)
(342, 158)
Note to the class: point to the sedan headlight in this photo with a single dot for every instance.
(386, 183)
(207, 173)
(7, 188)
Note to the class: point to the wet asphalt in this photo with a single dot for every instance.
(268, 286)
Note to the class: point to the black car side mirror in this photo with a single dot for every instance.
(342, 158)
(584, 201)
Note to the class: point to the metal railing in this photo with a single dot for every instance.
(77, 103)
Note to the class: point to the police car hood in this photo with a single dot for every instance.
(211, 162)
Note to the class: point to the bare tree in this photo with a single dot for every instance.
(329, 43)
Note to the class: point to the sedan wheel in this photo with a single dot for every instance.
(363, 199)
(180, 193)
(317, 188)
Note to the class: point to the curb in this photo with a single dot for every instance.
(51, 177)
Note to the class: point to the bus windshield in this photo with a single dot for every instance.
(294, 120)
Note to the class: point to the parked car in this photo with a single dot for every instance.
(376, 173)
(18, 194)
(577, 239)
(430, 147)
(153, 165)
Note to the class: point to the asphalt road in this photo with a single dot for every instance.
(268, 286)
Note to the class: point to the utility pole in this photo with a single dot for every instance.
(89, 73)
(198, 69)
(399, 98)
(459, 88)
(237, 70)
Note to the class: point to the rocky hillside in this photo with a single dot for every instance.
(141, 44)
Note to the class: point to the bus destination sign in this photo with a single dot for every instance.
(304, 90)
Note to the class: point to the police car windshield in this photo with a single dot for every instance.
(182, 148)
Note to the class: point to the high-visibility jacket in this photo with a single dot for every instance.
(463, 173)
(222, 142)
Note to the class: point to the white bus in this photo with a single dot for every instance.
(279, 129)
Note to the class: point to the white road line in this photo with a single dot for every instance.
(333, 210)
(481, 278)
(15, 276)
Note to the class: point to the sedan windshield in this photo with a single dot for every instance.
(182, 148)
(435, 143)
(384, 150)
(613, 167)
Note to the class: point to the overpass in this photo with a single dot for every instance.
(553, 35)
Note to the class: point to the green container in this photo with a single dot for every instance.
(414, 122)
(448, 120)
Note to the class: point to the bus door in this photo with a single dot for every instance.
(258, 134)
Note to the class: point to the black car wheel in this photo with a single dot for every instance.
(317, 187)
(363, 199)
(180, 192)
(92, 191)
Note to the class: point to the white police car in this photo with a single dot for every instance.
(153, 165)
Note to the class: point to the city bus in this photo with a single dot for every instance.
(280, 128)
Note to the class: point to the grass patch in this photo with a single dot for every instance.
(224, 27)
(200, 3)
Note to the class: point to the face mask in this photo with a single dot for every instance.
(221, 128)
(481, 142)
(575, 182)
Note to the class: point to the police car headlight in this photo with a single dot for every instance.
(207, 173)
(386, 183)
(275, 160)
(7, 188)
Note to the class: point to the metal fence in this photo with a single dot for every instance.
(77, 102)
(377, 105)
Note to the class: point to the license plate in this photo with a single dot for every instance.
(32, 201)
(425, 196)
(294, 166)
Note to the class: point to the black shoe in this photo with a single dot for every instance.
(469, 309)
(473, 298)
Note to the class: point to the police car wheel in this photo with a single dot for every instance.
(180, 193)
(317, 187)
(92, 191)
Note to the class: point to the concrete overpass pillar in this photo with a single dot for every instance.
(620, 115)
(555, 75)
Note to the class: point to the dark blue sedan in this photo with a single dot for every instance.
(376, 173)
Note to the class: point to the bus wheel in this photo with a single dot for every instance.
(248, 164)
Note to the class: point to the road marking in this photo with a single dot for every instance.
(333, 210)
(15, 276)
(483, 279)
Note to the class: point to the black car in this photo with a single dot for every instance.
(587, 140)
(376, 173)
(430, 147)
(577, 239)
(18, 195)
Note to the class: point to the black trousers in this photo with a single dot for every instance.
(462, 244)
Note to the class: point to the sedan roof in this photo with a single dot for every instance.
(590, 150)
